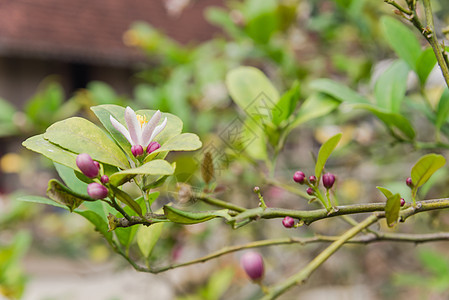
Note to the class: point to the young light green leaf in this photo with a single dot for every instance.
(442, 109)
(317, 105)
(402, 40)
(324, 153)
(425, 64)
(125, 198)
(82, 136)
(391, 120)
(182, 142)
(337, 90)
(247, 84)
(391, 86)
(40, 145)
(387, 193)
(286, 104)
(147, 237)
(425, 167)
(392, 209)
(154, 167)
(184, 217)
(58, 192)
(41, 200)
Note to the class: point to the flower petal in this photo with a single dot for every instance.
(149, 128)
(158, 129)
(117, 125)
(134, 129)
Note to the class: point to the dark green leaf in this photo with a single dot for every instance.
(337, 90)
(286, 104)
(324, 153)
(426, 62)
(63, 195)
(391, 86)
(184, 217)
(71, 180)
(125, 198)
(402, 40)
(392, 209)
(41, 200)
(82, 136)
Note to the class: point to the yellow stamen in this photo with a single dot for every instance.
(142, 120)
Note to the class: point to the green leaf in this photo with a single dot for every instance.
(261, 19)
(402, 40)
(7, 111)
(71, 180)
(40, 145)
(248, 85)
(184, 217)
(103, 113)
(219, 283)
(63, 195)
(147, 237)
(442, 109)
(317, 105)
(337, 90)
(435, 262)
(253, 140)
(391, 86)
(182, 142)
(286, 104)
(41, 200)
(324, 153)
(387, 193)
(125, 198)
(425, 64)
(82, 136)
(392, 209)
(391, 120)
(154, 167)
(425, 167)
(100, 225)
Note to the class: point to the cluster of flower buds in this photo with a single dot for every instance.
(91, 169)
(252, 263)
(328, 180)
(137, 150)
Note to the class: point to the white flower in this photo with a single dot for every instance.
(140, 131)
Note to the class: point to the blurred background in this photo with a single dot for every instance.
(59, 58)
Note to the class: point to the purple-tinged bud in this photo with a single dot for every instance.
(409, 182)
(328, 180)
(299, 177)
(153, 146)
(137, 150)
(86, 165)
(312, 179)
(256, 189)
(96, 190)
(402, 202)
(104, 179)
(97, 164)
(252, 263)
(310, 191)
(288, 222)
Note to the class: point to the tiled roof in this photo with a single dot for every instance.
(91, 30)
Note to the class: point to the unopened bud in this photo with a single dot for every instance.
(252, 263)
(137, 150)
(288, 222)
(328, 180)
(256, 189)
(87, 166)
(402, 202)
(409, 182)
(310, 191)
(153, 146)
(299, 177)
(312, 179)
(96, 190)
(104, 179)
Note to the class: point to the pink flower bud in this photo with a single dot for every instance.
(87, 166)
(252, 263)
(409, 182)
(104, 179)
(310, 191)
(402, 202)
(312, 179)
(288, 222)
(96, 190)
(328, 180)
(299, 177)
(137, 150)
(153, 146)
